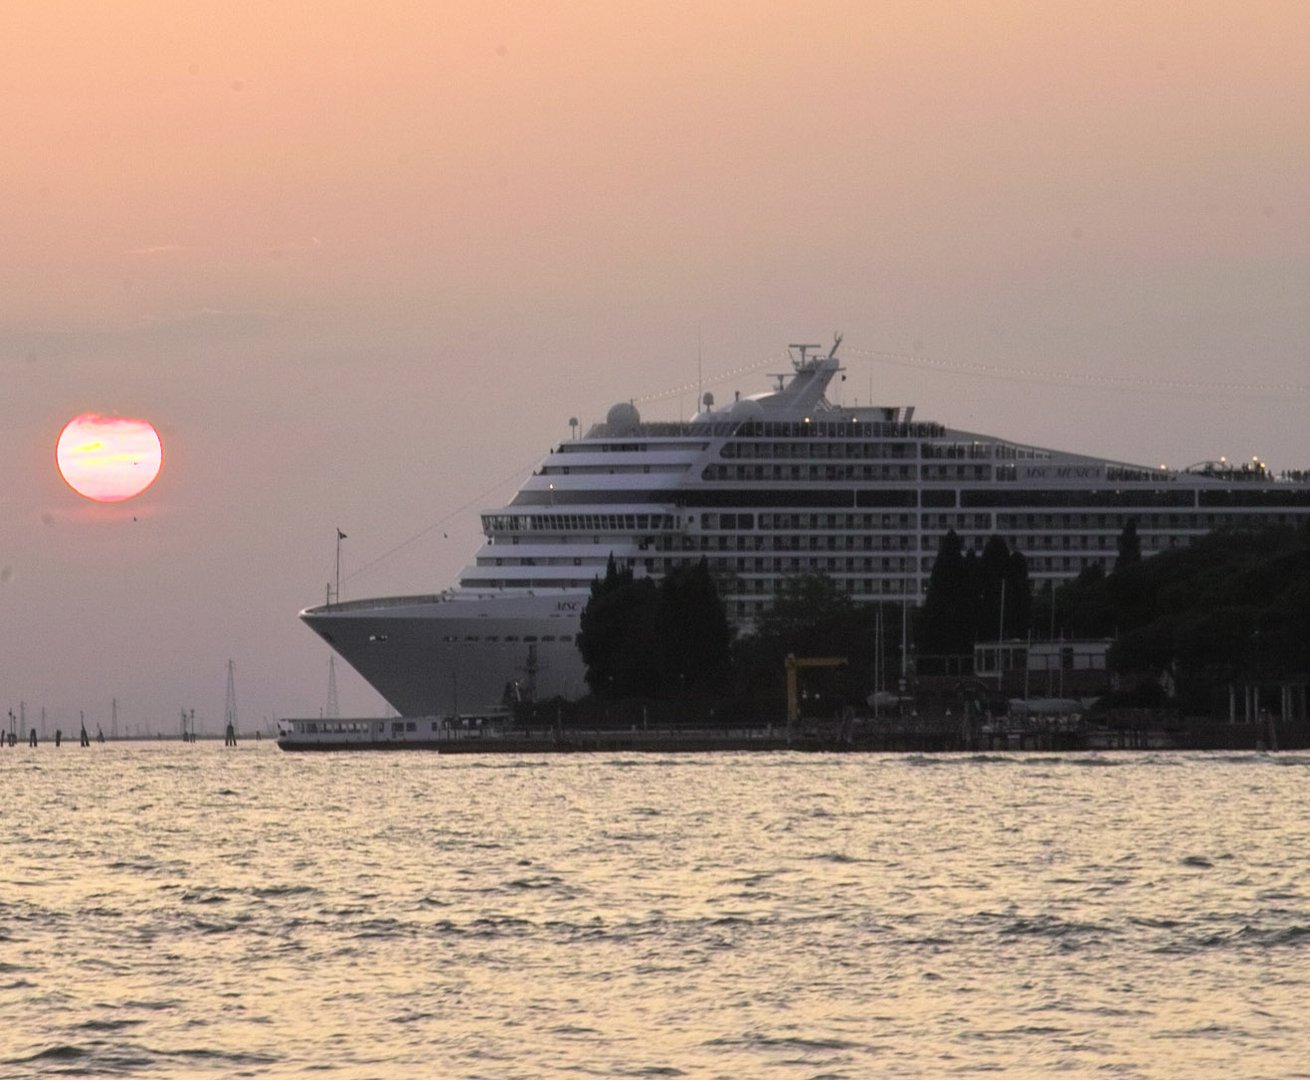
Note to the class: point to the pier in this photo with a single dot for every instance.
(909, 734)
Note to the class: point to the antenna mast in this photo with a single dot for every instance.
(340, 536)
(700, 377)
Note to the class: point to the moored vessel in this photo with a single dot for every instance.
(387, 733)
(780, 483)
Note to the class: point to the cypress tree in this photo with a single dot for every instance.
(992, 567)
(695, 634)
(617, 633)
(1130, 546)
(947, 609)
(1018, 596)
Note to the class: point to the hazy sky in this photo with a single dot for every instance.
(360, 263)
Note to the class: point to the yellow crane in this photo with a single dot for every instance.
(793, 664)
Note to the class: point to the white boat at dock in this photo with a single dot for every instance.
(392, 733)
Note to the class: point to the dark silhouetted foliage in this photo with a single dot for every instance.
(696, 637)
(811, 616)
(617, 632)
(639, 639)
(972, 598)
(948, 617)
(1130, 546)
(1234, 606)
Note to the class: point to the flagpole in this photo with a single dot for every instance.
(340, 536)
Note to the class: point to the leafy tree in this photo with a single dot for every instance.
(1233, 606)
(992, 569)
(1130, 546)
(695, 633)
(1018, 596)
(617, 634)
(807, 614)
(1147, 649)
(810, 616)
(969, 596)
(1084, 608)
(638, 639)
(971, 612)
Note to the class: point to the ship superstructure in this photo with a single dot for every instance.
(764, 487)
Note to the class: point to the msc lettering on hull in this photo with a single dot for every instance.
(1062, 472)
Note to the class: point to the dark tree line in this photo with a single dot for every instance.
(1230, 607)
(640, 639)
(974, 597)
(1233, 606)
(672, 641)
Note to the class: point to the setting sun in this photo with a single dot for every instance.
(108, 458)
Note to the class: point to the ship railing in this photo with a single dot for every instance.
(1225, 471)
(382, 602)
(837, 428)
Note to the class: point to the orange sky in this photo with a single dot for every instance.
(160, 158)
(334, 249)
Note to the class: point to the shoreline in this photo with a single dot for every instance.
(833, 739)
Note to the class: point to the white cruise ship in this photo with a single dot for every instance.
(767, 486)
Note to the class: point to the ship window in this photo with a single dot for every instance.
(493, 637)
(566, 637)
(548, 637)
(511, 637)
(529, 637)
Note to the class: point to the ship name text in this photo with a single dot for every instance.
(1063, 472)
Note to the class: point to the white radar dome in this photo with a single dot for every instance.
(746, 409)
(623, 418)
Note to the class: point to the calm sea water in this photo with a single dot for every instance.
(181, 910)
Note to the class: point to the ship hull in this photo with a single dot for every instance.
(447, 656)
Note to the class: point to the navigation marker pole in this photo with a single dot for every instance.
(230, 707)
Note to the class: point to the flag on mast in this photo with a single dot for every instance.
(340, 535)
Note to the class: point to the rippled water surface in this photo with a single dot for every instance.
(181, 910)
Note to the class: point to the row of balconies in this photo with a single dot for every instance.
(819, 451)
